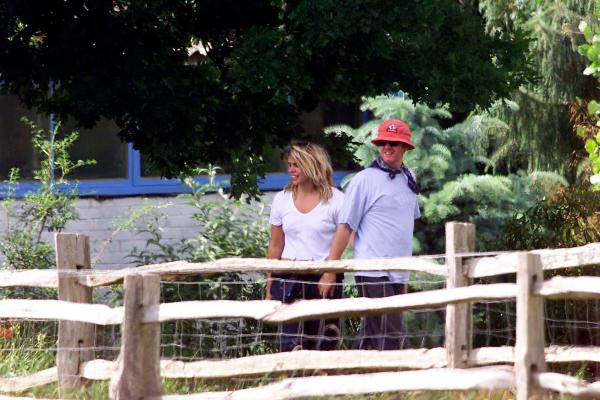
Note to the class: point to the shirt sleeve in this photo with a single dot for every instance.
(417, 210)
(275, 218)
(338, 203)
(355, 203)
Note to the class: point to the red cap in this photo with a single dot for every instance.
(394, 130)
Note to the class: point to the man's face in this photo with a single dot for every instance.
(392, 153)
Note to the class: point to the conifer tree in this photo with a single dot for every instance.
(541, 134)
(455, 169)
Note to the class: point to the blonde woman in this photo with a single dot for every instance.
(304, 217)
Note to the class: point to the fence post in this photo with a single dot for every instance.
(75, 339)
(138, 364)
(529, 349)
(460, 238)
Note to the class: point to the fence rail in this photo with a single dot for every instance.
(308, 360)
(476, 266)
(457, 366)
(431, 379)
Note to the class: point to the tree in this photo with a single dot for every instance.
(128, 61)
(455, 170)
(542, 115)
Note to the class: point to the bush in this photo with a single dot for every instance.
(567, 218)
(48, 209)
(229, 228)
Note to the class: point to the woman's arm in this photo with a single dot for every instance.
(274, 252)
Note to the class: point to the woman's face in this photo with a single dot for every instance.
(295, 172)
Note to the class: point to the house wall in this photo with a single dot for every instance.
(98, 218)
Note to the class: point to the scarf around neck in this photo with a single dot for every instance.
(392, 172)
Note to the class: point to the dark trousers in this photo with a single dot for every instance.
(308, 335)
(380, 332)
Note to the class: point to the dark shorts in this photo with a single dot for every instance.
(308, 335)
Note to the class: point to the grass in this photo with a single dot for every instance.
(28, 346)
(25, 347)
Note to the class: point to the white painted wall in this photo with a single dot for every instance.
(98, 219)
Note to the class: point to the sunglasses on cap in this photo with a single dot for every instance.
(382, 143)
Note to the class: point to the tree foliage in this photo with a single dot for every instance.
(541, 135)
(567, 218)
(128, 61)
(455, 169)
(590, 132)
(228, 228)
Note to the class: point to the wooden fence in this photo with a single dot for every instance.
(457, 366)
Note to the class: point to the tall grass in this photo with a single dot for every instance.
(26, 347)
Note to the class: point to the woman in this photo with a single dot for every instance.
(304, 217)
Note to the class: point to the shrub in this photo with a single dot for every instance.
(49, 208)
(229, 228)
(567, 218)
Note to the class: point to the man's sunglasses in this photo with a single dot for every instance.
(382, 143)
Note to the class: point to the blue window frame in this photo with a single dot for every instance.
(136, 185)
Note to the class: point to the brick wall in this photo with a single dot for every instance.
(98, 219)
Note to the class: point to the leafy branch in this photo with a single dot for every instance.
(591, 50)
(48, 208)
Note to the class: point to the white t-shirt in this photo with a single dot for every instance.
(308, 236)
(382, 211)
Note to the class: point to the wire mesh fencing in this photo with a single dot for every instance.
(32, 342)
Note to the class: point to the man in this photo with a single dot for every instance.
(380, 207)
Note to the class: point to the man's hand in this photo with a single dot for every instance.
(327, 284)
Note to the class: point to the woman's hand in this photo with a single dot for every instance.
(268, 295)
(327, 284)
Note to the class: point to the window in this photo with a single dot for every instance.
(120, 170)
(102, 144)
(16, 149)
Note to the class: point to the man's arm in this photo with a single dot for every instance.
(274, 252)
(340, 241)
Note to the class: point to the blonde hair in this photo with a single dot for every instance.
(314, 162)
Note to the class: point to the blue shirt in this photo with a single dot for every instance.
(382, 212)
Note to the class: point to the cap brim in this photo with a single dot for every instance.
(410, 145)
